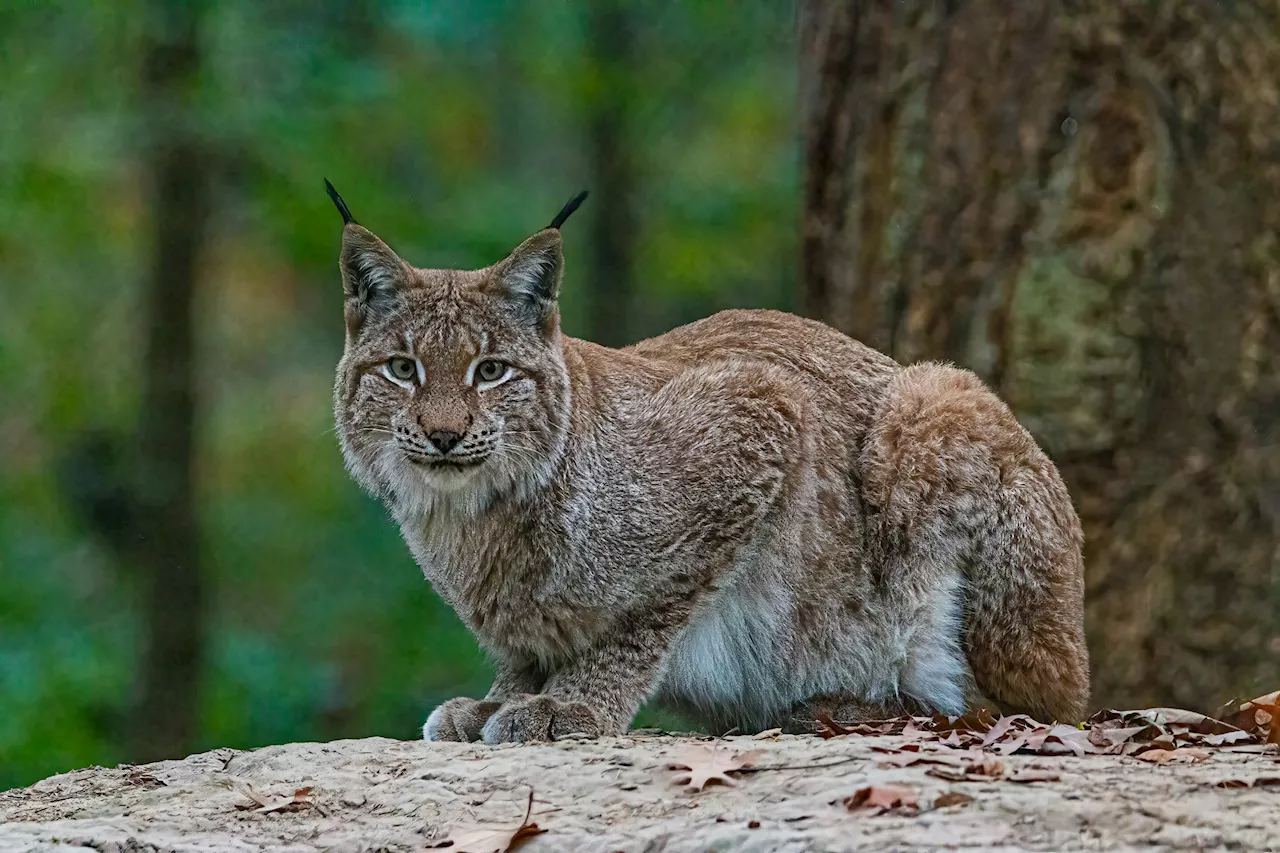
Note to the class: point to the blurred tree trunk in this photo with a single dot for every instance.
(1081, 202)
(168, 549)
(611, 38)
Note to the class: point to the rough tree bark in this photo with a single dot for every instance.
(1080, 200)
(167, 548)
(611, 37)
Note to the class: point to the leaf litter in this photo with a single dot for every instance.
(490, 837)
(1260, 716)
(1155, 735)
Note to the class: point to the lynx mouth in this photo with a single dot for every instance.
(445, 464)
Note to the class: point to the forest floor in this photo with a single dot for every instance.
(853, 792)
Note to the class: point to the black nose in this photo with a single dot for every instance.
(443, 439)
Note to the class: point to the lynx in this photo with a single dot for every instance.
(753, 519)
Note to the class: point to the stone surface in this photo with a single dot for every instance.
(619, 794)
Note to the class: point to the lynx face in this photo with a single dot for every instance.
(452, 387)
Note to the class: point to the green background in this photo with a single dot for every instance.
(453, 130)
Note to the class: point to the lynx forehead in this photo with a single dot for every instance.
(752, 518)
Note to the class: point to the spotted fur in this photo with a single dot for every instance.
(752, 518)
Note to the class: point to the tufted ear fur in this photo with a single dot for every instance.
(530, 276)
(372, 275)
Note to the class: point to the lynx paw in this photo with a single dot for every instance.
(538, 718)
(458, 719)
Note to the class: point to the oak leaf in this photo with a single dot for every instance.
(1006, 726)
(491, 838)
(699, 766)
(1164, 756)
(879, 799)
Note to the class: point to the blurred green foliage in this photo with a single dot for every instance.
(453, 130)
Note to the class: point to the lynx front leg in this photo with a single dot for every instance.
(597, 694)
(462, 719)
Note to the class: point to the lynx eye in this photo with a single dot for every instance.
(490, 370)
(403, 369)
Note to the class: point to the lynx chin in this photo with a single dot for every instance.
(752, 518)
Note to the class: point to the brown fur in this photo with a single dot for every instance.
(749, 517)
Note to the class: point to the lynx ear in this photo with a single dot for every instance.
(372, 274)
(530, 276)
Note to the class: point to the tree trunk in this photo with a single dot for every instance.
(611, 36)
(1081, 201)
(168, 548)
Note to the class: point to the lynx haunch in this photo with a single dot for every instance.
(752, 518)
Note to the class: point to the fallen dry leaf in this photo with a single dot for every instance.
(985, 770)
(909, 758)
(1262, 716)
(829, 728)
(980, 720)
(1108, 737)
(145, 780)
(490, 838)
(1176, 716)
(953, 740)
(951, 775)
(701, 765)
(266, 804)
(1227, 738)
(986, 767)
(1060, 739)
(952, 798)
(1005, 725)
(879, 799)
(1252, 748)
(1164, 756)
(911, 731)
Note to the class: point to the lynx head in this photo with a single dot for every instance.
(452, 389)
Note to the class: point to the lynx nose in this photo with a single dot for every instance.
(443, 439)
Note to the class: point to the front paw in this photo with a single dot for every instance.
(529, 717)
(458, 719)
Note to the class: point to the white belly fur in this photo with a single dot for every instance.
(736, 660)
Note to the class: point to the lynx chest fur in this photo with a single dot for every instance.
(752, 518)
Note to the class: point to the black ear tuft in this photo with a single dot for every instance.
(568, 209)
(347, 218)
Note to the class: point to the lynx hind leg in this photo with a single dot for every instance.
(948, 461)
